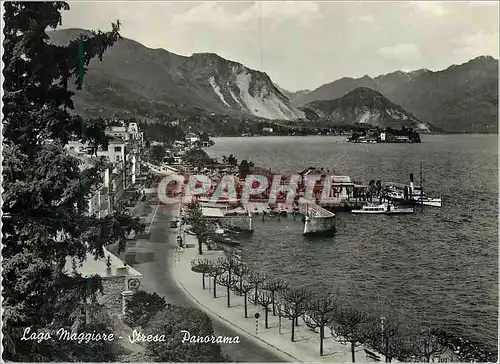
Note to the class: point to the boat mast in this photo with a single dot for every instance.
(421, 189)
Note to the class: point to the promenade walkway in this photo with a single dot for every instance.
(304, 349)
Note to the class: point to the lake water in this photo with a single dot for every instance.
(441, 264)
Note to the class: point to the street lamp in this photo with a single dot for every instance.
(385, 340)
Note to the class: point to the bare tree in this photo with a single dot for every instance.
(216, 271)
(230, 265)
(293, 305)
(274, 286)
(390, 337)
(319, 314)
(265, 299)
(245, 289)
(229, 281)
(424, 344)
(202, 266)
(256, 279)
(351, 325)
(240, 270)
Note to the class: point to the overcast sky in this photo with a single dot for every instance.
(306, 44)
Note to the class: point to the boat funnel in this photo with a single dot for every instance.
(411, 182)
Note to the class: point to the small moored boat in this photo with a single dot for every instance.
(386, 209)
(371, 209)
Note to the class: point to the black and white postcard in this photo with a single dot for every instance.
(267, 181)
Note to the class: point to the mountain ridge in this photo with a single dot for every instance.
(149, 81)
(460, 98)
(366, 106)
(136, 81)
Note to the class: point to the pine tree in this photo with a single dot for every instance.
(44, 190)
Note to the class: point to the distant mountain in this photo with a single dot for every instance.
(364, 106)
(461, 98)
(292, 96)
(133, 80)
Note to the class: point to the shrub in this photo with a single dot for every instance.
(170, 322)
(142, 307)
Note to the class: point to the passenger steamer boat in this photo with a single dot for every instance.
(385, 208)
(410, 194)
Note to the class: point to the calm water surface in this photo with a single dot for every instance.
(441, 264)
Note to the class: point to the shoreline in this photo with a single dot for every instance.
(304, 349)
(160, 276)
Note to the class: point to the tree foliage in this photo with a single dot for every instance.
(45, 190)
(244, 169)
(170, 322)
(319, 313)
(142, 307)
(293, 304)
(351, 325)
(197, 157)
(200, 225)
(157, 153)
(203, 266)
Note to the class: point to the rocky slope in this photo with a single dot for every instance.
(133, 80)
(364, 106)
(461, 98)
(292, 96)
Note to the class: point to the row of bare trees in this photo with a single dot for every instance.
(389, 333)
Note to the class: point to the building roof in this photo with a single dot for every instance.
(90, 266)
(341, 179)
(116, 140)
(212, 212)
(87, 160)
(117, 129)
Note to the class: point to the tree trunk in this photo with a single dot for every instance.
(200, 250)
(352, 351)
(245, 294)
(215, 287)
(387, 359)
(228, 290)
(267, 326)
(274, 307)
(256, 292)
(321, 337)
(293, 329)
(203, 280)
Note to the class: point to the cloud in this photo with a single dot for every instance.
(478, 44)
(207, 13)
(435, 9)
(401, 52)
(362, 18)
(217, 15)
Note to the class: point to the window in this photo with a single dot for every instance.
(118, 149)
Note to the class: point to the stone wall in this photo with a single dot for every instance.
(243, 222)
(318, 224)
(112, 297)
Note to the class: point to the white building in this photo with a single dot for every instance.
(116, 150)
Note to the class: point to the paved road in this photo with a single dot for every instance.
(153, 259)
